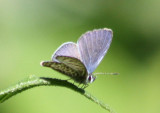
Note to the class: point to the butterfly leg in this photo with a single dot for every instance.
(85, 86)
(73, 82)
(82, 86)
(79, 84)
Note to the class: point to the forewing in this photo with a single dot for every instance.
(60, 67)
(92, 46)
(73, 63)
(69, 49)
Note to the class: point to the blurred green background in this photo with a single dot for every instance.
(31, 30)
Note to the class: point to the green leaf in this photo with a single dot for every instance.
(34, 81)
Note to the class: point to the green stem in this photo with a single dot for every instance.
(33, 81)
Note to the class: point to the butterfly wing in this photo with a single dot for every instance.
(60, 67)
(73, 63)
(69, 49)
(92, 46)
(71, 67)
(66, 60)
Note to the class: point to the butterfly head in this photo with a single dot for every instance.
(90, 78)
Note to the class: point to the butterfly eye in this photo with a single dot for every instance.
(90, 78)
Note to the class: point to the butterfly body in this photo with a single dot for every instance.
(79, 60)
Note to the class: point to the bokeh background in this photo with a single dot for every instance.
(31, 30)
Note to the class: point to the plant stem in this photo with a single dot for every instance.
(33, 81)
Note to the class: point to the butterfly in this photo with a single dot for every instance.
(79, 60)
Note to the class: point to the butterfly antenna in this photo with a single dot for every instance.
(106, 74)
